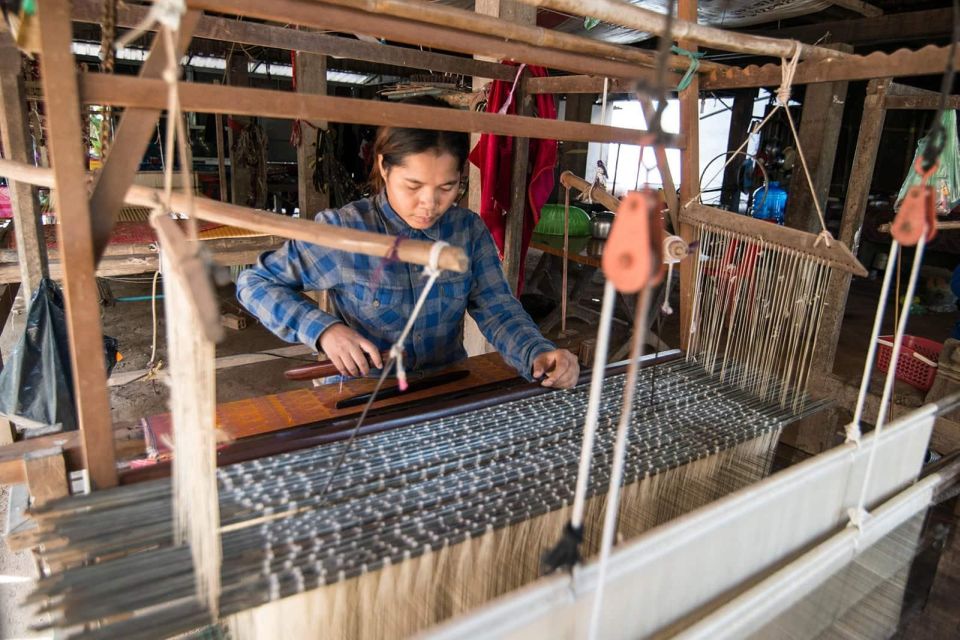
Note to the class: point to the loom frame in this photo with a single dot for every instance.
(79, 236)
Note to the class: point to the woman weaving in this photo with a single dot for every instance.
(416, 177)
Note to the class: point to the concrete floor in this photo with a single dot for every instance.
(131, 323)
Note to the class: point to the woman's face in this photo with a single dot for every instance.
(422, 187)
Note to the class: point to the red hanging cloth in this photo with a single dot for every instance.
(493, 155)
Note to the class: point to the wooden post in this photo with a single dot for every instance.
(689, 173)
(743, 102)
(238, 76)
(75, 240)
(311, 78)
(221, 158)
(17, 145)
(520, 157)
(855, 207)
(46, 473)
(819, 133)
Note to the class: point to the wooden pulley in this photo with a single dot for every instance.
(632, 254)
(917, 209)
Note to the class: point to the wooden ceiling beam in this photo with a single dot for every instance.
(858, 6)
(276, 37)
(891, 27)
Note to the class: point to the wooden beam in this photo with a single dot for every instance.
(205, 98)
(136, 128)
(285, 38)
(221, 158)
(46, 475)
(238, 76)
(819, 133)
(893, 27)
(929, 60)
(663, 166)
(854, 209)
(901, 96)
(18, 146)
(316, 15)
(740, 117)
(578, 84)
(689, 172)
(858, 6)
(519, 177)
(75, 239)
(684, 29)
(311, 78)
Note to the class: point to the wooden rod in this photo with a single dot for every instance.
(438, 14)
(128, 91)
(946, 225)
(277, 37)
(351, 240)
(309, 13)
(630, 15)
(568, 179)
(75, 240)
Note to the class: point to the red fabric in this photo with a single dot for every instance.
(493, 156)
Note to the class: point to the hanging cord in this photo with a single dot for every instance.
(692, 69)
(432, 271)
(566, 553)
(853, 432)
(619, 457)
(858, 514)
(164, 12)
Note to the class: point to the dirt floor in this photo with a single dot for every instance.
(132, 325)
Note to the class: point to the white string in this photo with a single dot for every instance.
(853, 429)
(858, 514)
(593, 404)
(431, 271)
(619, 458)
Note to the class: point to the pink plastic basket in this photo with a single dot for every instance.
(917, 364)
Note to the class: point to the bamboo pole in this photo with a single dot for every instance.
(633, 16)
(351, 240)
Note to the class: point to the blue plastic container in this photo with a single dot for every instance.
(770, 203)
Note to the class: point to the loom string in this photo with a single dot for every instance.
(432, 271)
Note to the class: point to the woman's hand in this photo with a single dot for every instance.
(560, 366)
(348, 350)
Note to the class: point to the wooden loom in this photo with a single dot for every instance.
(94, 86)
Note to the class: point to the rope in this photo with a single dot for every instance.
(694, 57)
(432, 271)
(858, 514)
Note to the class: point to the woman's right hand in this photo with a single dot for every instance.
(348, 350)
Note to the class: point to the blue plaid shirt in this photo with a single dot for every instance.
(378, 311)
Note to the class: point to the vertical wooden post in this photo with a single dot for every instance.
(855, 207)
(75, 240)
(221, 159)
(689, 173)
(311, 78)
(740, 117)
(520, 157)
(819, 133)
(18, 146)
(238, 76)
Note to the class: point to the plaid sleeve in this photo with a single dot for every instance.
(271, 289)
(498, 314)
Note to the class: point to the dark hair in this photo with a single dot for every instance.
(396, 143)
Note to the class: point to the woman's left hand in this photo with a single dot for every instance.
(560, 366)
